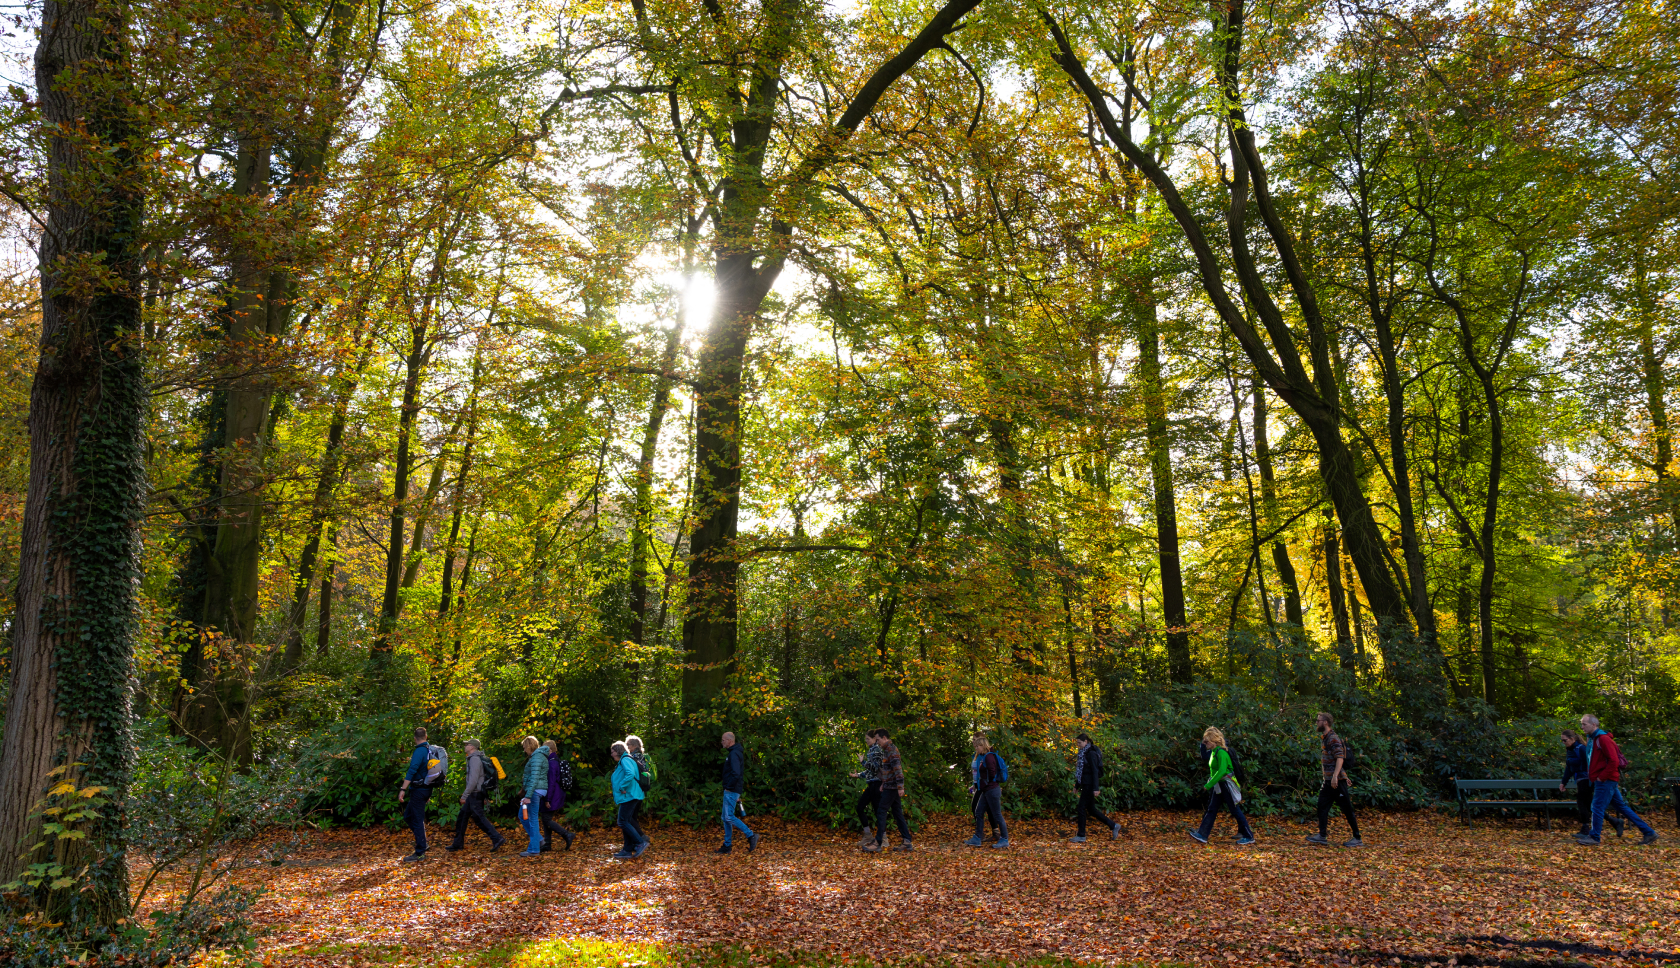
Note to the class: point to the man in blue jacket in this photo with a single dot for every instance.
(734, 782)
(414, 807)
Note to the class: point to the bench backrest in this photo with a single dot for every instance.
(1507, 784)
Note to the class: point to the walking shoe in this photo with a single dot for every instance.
(547, 846)
(570, 836)
(497, 845)
(752, 842)
(640, 849)
(868, 835)
(1586, 829)
(871, 847)
(1587, 841)
(622, 855)
(451, 848)
(1196, 835)
(1318, 840)
(1002, 844)
(527, 853)
(417, 855)
(905, 844)
(723, 850)
(1114, 832)
(1621, 825)
(1244, 841)
(1355, 842)
(1076, 840)
(974, 842)
(1649, 838)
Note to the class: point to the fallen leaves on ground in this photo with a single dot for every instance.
(1425, 891)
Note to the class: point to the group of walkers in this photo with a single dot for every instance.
(1592, 761)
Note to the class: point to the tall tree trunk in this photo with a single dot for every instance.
(1268, 499)
(80, 550)
(323, 613)
(641, 536)
(1336, 595)
(1173, 613)
(1654, 372)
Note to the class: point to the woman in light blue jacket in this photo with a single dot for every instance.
(627, 793)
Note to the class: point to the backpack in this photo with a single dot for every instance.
(645, 773)
(437, 765)
(565, 771)
(1000, 775)
(493, 773)
(1237, 766)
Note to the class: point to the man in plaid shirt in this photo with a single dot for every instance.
(892, 794)
(1336, 789)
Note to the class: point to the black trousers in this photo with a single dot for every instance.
(414, 813)
(866, 804)
(545, 820)
(1088, 808)
(1329, 796)
(473, 811)
(1218, 799)
(890, 801)
(989, 804)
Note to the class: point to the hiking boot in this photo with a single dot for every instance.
(1586, 829)
(868, 835)
(871, 847)
(1621, 825)
(974, 842)
(752, 842)
(1114, 832)
(547, 846)
(621, 855)
(497, 845)
(570, 836)
(452, 848)
(1355, 842)
(1587, 841)
(1076, 840)
(1196, 835)
(1649, 838)
(723, 850)
(416, 856)
(640, 849)
(1318, 840)
(1002, 844)
(905, 844)
(1244, 841)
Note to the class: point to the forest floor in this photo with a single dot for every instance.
(1426, 891)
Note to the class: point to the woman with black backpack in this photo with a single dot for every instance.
(559, 781)
(1223, 787)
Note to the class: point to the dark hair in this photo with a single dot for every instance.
(419, 732)
(882, 733)
(1571, 734)
(1328, 719)
(1084, 737)
(872, 733)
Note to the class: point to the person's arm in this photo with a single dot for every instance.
(408, 776)
(1341, 757)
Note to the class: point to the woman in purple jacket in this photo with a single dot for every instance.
(559, 778)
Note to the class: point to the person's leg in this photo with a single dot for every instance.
(883, 805)
(1627, 811)
(1216, 799)
(414, 811)
(1583, 804)
(1603, 793)
(461, 819)
(994, 809)
(1326, 798)
(977, 807)
(898, 814)
(1085, 805)
(1344, 796)
(475, 808)
(1242, 821)
(533, 827)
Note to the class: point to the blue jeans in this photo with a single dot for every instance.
(1606, 792)
(730, 821)
(530, 817)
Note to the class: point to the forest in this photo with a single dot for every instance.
(798, 368)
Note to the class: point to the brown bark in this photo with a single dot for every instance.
(1268, 500)
(1174, 614)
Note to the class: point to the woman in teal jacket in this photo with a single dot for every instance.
(627, 793)
(535, 786)
(1222, 784)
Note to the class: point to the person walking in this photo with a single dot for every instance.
(415, 793)
(893, 792)
(644, 777)
(559, 780)
(1337, 789)
(734, 784)
(627, 794)
(987, 790)
(472, 800)
(1575, 768)
(1604, 769)
(534, 786)
(1223, 789)
(869, 771)
(1087, 780)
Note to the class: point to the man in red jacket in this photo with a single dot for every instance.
(1604, 769)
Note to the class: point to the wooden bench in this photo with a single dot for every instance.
(1467, 803)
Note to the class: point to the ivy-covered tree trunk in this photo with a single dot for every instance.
(80, 544)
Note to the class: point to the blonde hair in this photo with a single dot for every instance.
(529, 743)
(981, 743)
(1213, 735)
(553, 746)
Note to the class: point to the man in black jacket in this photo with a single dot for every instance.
(734, 782)
(1087, 779)
(472, 801)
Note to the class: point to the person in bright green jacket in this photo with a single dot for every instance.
(627, 793)
(1222, 784)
